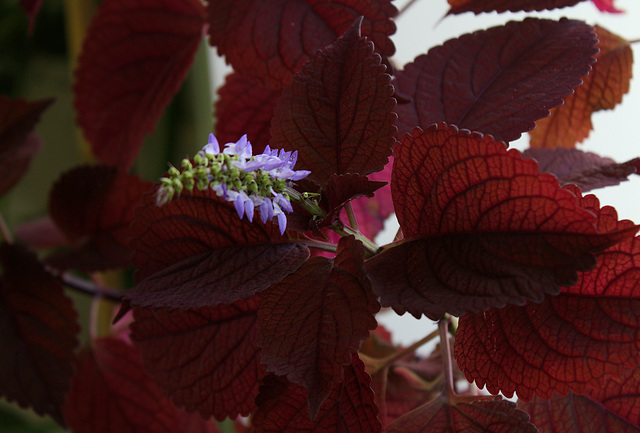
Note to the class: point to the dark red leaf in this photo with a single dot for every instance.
(341, 189)
(41, 233)
(111, 392)
(482, 228)
(613, 408)
(39, 329)
(271, 41)
(18, 142)
(478, 6)
(337, 112)
(586, 170)
(216, 370)
(196, 223)
(219, 276)
(133, 60)
(350, 406)
(312, 321)
(372, 213)
(588, 332)
(245, 107)
(602, 89)
(457, 414)
(497, 81)
(31, 8)
(93, 206)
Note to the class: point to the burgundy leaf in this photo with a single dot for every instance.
(41, 233)
(341, 189)
(350, 406)
(93, 206)
(312, 321)
(271, 41)
(39, 329)
(457, 414)
(372, 213)
(602, 89)
(478, 6)
(219, 276)
(337, 112)
(196, 223)
(482, 228)
(18, 142)
(497, 81)
(589, 332)
(216, 370)
(613, 408)
(586, 170)
(245, 107)
(111, 392)
(134, 59)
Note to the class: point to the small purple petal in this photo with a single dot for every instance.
(282, 222)
(239, 205)
(212, 147)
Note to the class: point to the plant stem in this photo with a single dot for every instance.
(379, 364)
(447, 359)
(353, 222)
(371, 247)
(5, 232)
(89, 288)
(320, 245)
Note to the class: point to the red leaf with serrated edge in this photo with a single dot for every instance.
(18, 142)
(342, 189)
(588, 332)
(271, 41)
(586, 170)
(194, 251)
(245, 107)
(613, 408)
(479, 6)
(206, 359)
(312, 321)
(39, 329)
(111, 392)
(93, 206)
(133, 60)
(337, 112)
(482, 228)
(350, 406)
(457, 414)
(497, 81)
(602, 89)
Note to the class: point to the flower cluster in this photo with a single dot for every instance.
(262, 181)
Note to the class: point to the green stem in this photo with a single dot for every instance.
(371, 247)
(353, 222)
(320, 245)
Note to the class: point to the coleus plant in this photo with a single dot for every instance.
(257, 282)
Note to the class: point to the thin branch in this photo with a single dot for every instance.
(353, 222)
(379, 364)
(90, 288)
(447, 358)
